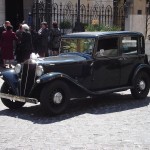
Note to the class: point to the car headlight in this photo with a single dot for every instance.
(39, 71)
(18, 68)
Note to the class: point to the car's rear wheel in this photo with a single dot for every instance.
(141, 86)
(10, 103)
(55, 97)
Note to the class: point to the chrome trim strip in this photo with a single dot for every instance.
(18, 98)
(26, 79)
(35, 75)
(34, 79)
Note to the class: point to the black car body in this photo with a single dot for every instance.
(89, 64)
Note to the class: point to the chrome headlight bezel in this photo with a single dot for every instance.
(17, 68)
(39, 71)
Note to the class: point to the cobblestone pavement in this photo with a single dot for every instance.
(110, 122)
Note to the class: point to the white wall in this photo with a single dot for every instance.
(136, 23)
(2, 11)
(105, 3)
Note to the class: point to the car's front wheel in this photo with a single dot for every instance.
(10, 103)
(55, 97)
(141, 86)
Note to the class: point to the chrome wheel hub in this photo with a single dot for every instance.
(142, 85)
(57, 98)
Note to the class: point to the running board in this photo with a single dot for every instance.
(113, 90)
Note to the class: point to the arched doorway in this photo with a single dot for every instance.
(14, 12)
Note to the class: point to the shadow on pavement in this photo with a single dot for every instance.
(105, 104)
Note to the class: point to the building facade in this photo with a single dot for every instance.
(17, 11)
(135, 11)
(2, 11)
(136, 15)
(14, 10)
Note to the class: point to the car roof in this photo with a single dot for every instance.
(99, 34)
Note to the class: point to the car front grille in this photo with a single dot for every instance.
(27, 78)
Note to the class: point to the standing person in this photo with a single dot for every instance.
(43, 34)
(3, 28)
(18, 51)
(55, 36)
(7, 39)
(35, 40)
(25, 43)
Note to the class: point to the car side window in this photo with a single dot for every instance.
(129, 45)
(107, 47)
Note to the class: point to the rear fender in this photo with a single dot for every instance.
(142, 67)
(12, 79)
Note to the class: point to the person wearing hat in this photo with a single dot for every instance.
(2, 29)
(7, 39)
(25, 46)
(55, 35)
(43, 34)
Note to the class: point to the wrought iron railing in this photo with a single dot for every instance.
(105, 15)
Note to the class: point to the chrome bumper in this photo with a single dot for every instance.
(18, 98)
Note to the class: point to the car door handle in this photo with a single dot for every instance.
(122, 58)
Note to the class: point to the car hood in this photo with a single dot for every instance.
(62, 58)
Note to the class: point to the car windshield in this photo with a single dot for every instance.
(82, 45)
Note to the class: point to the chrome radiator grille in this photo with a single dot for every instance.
(27, 78)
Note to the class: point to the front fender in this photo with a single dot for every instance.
(12, 79)
(142, 67)
(52, 76)
(46, 78)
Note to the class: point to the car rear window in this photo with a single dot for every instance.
(129, 45)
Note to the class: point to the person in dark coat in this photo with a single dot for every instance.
(43, 34)
(18, 51)
(35, 41)
(3, 28)
(25, 43)
(55, 37)
(7, 39)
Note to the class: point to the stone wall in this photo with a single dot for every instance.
(136, 23)
(2, 11)
(136, 16)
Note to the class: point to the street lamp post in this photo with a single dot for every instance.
(37, 14)
(78, 25)
(78, 14)
(115, 13)
(49, 12)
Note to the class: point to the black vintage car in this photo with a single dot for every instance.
(89, 64)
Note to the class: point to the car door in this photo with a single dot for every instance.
(130, 57)
(106, 66)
